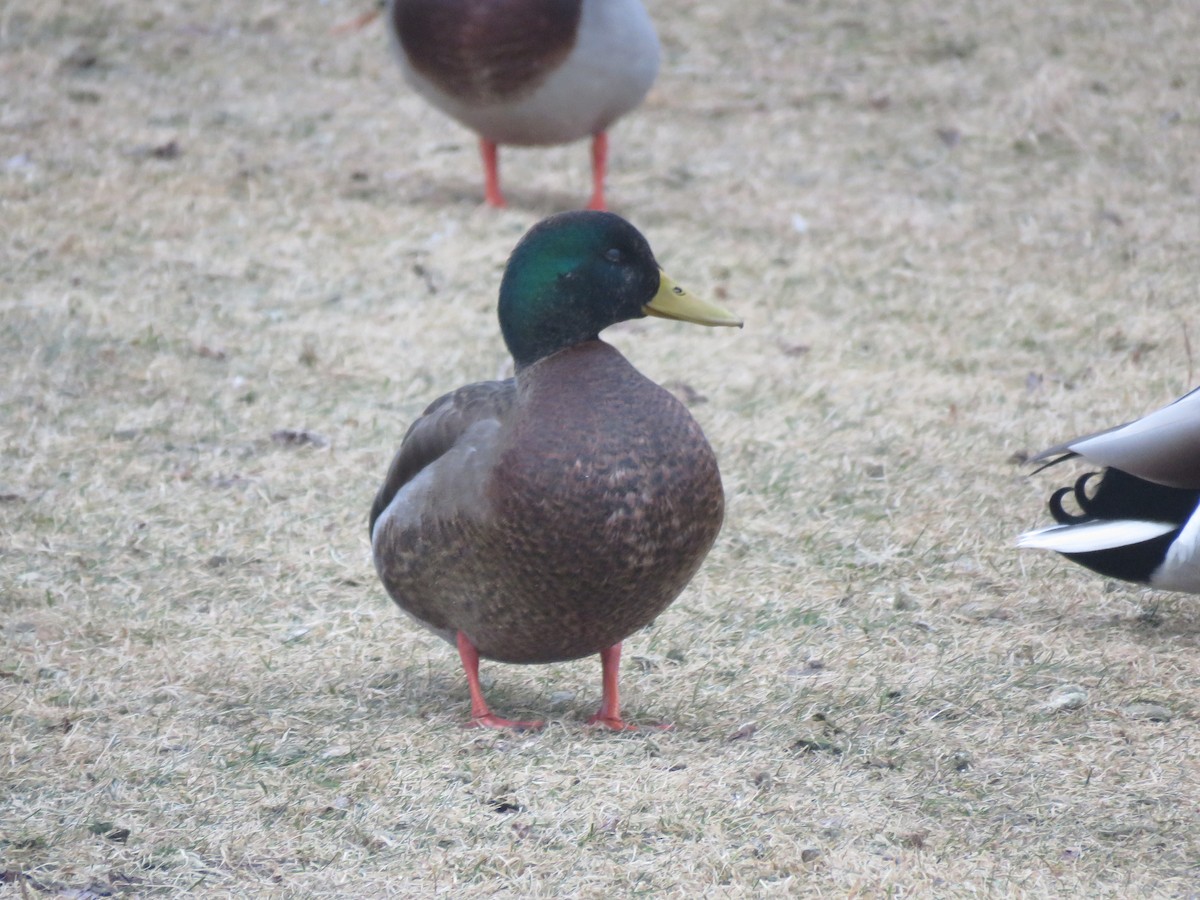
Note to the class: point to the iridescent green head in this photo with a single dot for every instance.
(576, 273)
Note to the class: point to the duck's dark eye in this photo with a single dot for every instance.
(613, 255)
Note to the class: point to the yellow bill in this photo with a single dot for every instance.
(673, 302)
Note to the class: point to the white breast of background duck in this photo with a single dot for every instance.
(1180, 569)
(605, 74)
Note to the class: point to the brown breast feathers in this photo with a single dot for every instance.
(482, 52)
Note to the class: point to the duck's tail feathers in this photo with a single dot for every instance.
(1052, 457)
(1088, 537)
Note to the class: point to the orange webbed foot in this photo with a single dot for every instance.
(489, 720)
(616, 723)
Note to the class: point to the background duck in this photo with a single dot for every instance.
(1142, 523)
(528, 72)
(549, 516)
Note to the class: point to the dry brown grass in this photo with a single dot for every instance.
(219, 222)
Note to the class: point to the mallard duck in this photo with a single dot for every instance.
(549, 516)
(1142, 521)
(528, 72)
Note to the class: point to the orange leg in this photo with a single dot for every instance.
(491, 172)
(481, 716)
(599, 169)
(610, 698)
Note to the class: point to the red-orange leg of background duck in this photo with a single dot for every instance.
(599, 169)
(491, 172)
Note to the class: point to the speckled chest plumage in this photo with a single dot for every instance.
(602, 501)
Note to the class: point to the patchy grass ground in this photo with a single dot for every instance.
(237, 257)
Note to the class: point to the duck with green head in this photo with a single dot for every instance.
(549, 516)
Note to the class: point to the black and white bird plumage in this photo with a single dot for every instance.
(1140, 521)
